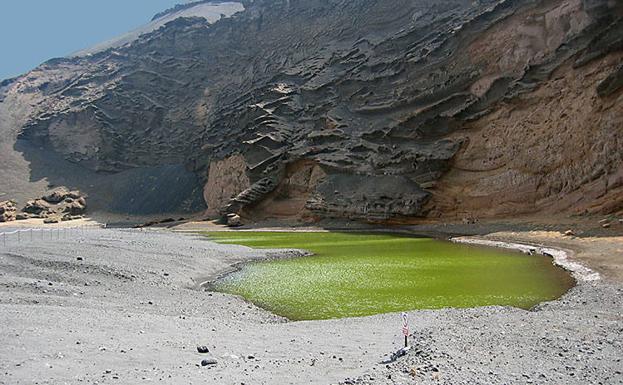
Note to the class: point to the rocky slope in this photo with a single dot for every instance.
(375, 110)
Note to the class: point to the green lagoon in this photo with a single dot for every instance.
(360, 274)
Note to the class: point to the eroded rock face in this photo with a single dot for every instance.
(352, 109)
(226, 179)
(556, 149)
(372, 199)
(294, 195)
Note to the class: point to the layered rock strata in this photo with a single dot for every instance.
(350, 109)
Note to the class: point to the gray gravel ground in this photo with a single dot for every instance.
(130, 311)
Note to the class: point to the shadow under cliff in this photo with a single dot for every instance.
(157, 190)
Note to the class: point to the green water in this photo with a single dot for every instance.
(357, 274)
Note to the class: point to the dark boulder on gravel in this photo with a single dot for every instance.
(234, 220)
(208, 362)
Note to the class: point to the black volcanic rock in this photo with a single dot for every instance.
(373, 92)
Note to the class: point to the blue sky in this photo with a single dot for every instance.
(33, 31)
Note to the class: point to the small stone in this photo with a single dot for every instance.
(203, 349)
(79, 258)
(606, 225)
(569, 233)
(234, 220)
(208, 361)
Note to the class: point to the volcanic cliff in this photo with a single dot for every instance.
(376, 110)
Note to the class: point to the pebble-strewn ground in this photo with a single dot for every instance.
(122, 307)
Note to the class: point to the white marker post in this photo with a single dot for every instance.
(405, 328)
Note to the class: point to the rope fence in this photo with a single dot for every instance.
(32, 235)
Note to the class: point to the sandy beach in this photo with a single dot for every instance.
(121, 306)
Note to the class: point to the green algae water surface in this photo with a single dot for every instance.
(359, 274)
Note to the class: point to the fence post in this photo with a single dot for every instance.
(19, 236)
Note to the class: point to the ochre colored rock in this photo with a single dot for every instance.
(59, 203)
(226, 179)
(7, 211)
(349, 110)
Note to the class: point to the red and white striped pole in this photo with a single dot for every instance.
(405, 328)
